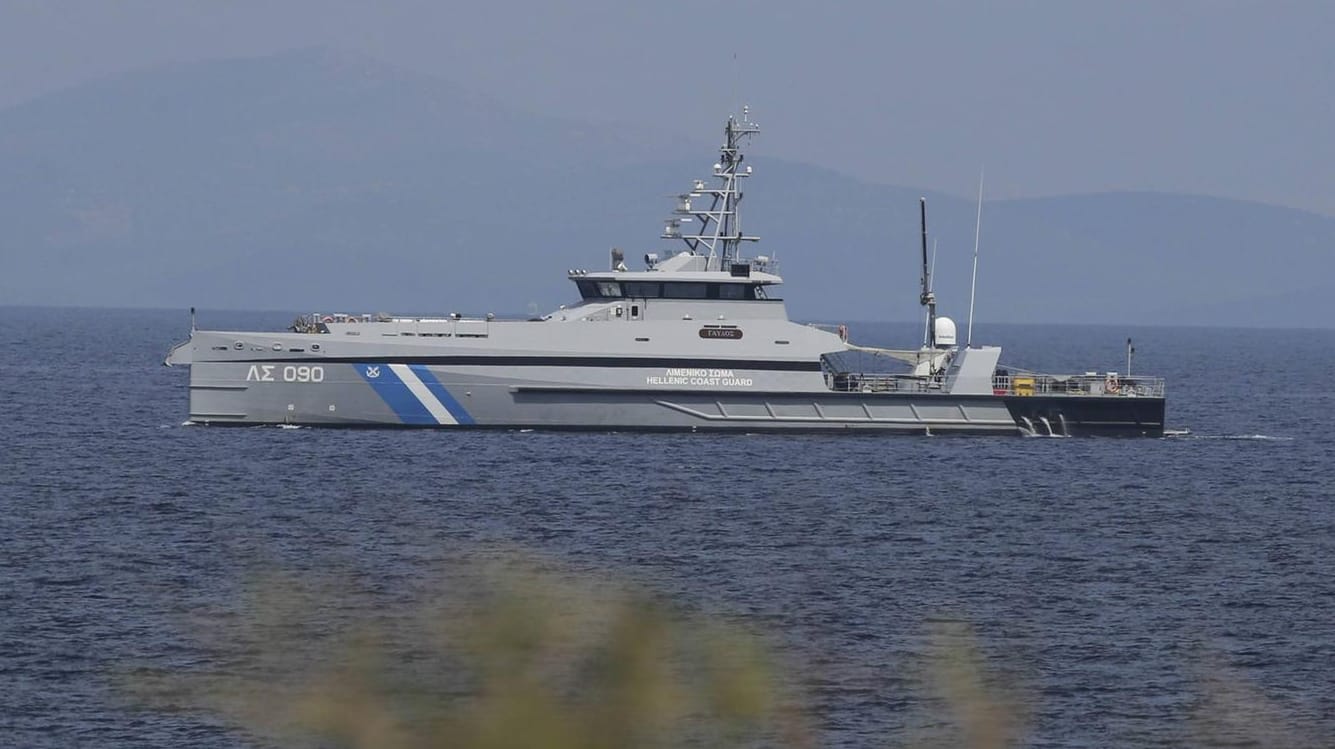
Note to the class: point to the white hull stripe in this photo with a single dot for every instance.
(424, 396)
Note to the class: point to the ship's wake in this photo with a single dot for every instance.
(1238, 437)
(1042, 435)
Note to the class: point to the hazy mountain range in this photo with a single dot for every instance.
(321, 180)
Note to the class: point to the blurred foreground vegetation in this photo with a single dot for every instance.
(521, 654)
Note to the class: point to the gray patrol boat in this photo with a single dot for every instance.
(697, 340)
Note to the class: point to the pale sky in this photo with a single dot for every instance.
(1222, 97)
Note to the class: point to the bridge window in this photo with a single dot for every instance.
(643, 289)
(684, 290)
(599, 289)
(591, 289)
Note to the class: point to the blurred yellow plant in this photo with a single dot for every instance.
(512, 655)
(520, 654)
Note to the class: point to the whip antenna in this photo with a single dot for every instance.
(973, 283)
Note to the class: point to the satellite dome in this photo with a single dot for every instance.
(945, 332)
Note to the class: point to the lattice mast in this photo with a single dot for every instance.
(927, 297)
(720, 235)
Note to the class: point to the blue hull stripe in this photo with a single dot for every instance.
(395, 393)
(455, 408)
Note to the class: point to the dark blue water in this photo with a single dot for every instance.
(1114, 576)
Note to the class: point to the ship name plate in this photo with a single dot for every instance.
(713, 332)
(687, 377)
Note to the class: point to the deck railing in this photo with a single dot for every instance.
(1090, 383)
(878, 382)
(1107, 385)
(426, 327)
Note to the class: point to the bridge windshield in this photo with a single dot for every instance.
(591, 289)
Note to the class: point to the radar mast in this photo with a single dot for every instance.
(719, 236)
(927, 297)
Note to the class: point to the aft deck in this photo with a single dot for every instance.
(1109, 385)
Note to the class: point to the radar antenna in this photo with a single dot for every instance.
(719, 236)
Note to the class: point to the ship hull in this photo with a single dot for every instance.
(1109, 416)
(390, 394)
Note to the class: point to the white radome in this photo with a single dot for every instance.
(945, 331)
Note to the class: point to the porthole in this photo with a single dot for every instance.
(238, 345)
(315, 347)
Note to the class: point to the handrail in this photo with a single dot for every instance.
(879, 382)
(1086, 385)
(1112, 385)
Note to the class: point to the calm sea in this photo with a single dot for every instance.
(1115, 576)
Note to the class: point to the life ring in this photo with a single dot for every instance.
(843, 333)
(1111, 384)
(352, 319)
(327, 319)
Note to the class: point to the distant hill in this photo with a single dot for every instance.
(321, 180)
